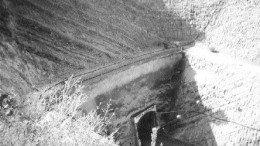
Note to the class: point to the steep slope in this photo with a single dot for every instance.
(45, 41)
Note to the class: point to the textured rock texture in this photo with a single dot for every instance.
(219, 100)
(45, 41)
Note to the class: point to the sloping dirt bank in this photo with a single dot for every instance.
(218, 100)
(42, 42)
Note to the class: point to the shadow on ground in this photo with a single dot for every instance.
(194, 125)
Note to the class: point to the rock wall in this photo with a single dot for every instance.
(218, 100)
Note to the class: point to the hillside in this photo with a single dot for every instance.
(189, 69)
(43, 42)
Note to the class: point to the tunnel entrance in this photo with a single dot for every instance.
(145, 121)
(144, 128)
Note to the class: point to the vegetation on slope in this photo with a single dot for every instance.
(54, 120)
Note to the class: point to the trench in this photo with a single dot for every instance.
(171, 83)
(132, 90)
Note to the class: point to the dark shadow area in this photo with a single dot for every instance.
(164, 139)
(177, 96)
(193, 124)
(159, 87)
(144, 128)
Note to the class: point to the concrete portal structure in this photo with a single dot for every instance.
(144, 122)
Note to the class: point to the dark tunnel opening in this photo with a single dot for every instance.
(145, 126)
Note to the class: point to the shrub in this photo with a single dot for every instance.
(55, 120)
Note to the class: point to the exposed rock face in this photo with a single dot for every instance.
(45, 41)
